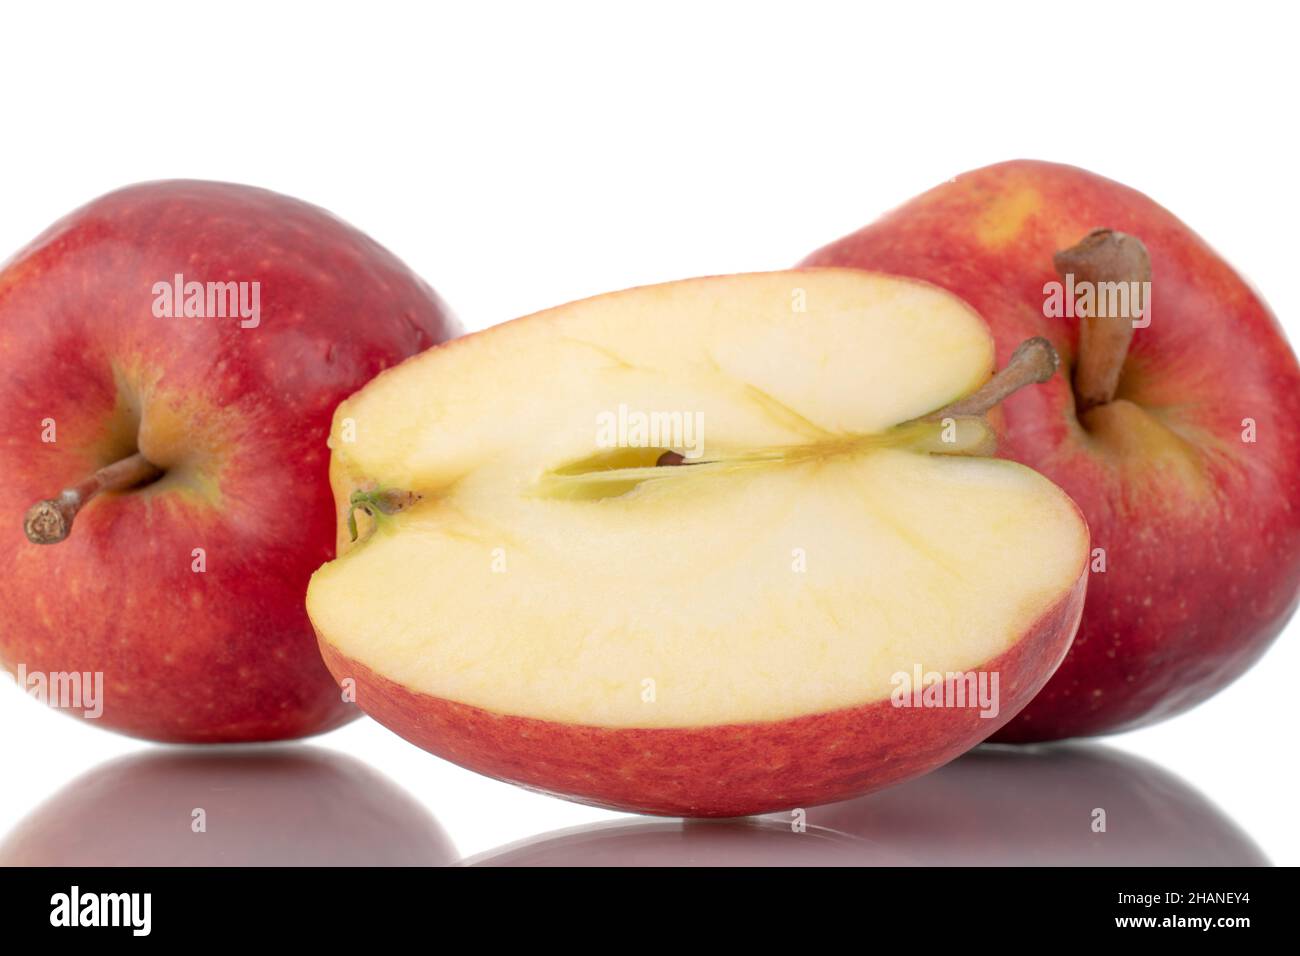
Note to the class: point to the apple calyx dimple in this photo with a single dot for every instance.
(1105, 259)
(377, 502)
(50, 521)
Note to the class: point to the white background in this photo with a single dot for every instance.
(519, 156)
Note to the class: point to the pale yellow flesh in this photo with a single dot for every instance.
(715, 593)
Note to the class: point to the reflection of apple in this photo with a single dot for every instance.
(1185, 465)
(260, 807)
(715, 637)
(752, 842)
(1038, 805)
(201, 442)
(995, 806)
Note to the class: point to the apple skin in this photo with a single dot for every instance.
(716, 771)
(239, 417)
(1202, 535)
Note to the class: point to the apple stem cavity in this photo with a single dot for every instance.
(1034, 361)
(1100, 258)
(50, 521)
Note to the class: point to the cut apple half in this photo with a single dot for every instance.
(681, 549)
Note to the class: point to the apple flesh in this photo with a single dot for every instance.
(723, 636)
(1187, 475)
(183, 591)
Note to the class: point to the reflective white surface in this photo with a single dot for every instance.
(1066, 805)
(229, 806)
(1069, 804)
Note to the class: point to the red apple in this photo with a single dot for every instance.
(721, 614)
(192, 427)
(1182, 451)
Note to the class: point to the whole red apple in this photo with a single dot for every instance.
(170, 358)
(1181, 446)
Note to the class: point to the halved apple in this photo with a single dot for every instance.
(552, 586)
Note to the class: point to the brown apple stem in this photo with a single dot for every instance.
(49, 521)
(1033, 361)
(1109, 261)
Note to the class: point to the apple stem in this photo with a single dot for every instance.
(1104, 256)
(49, 521)
(1033, 361)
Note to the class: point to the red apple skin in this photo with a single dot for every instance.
(1201, 534)
(716, 771)
(239, 417)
